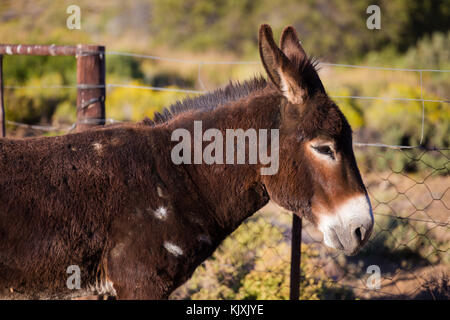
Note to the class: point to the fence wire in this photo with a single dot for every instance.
(407, 256)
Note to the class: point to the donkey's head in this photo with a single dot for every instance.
(318, 175)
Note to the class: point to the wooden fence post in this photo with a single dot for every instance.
(296, 246)
(91, 86)
(2, 107)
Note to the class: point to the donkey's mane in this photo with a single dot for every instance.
(209, 101)
(234, 91)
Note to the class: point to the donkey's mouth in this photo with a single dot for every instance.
(337, 238)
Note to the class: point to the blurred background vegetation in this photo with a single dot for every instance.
(413, 34)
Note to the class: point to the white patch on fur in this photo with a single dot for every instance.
(160, 213)
(160, 192)
(97, 146)
(173, 249)
(355, 211)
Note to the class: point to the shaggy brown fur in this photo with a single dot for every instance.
(89, 198)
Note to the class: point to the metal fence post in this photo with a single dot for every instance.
(296, 246)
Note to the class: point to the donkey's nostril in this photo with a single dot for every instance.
(360, 232)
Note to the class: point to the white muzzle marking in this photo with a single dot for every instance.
(338, 228)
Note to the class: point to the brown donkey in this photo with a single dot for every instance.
(113, 204)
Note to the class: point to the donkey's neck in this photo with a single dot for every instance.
(229, 193)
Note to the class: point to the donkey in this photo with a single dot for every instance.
(111, 204)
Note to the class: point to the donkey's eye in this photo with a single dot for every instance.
(326, 150)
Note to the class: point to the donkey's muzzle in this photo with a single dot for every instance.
(350, 227)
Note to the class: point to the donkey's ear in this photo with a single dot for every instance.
(290, 45)
(278, 67)
(271, 56)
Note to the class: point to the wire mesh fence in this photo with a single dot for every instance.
(407, 255)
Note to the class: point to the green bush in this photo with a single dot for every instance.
(134, 104)
(34, 101)
(34, 104)
(18, 69)
(254, 263)
(398, 122)
(431, 52)
(123, 67)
